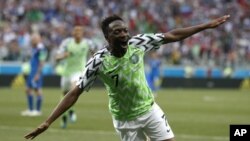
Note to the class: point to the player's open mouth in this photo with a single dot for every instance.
(124, 43)
(124, 40)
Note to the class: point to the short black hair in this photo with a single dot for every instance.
(106, 21)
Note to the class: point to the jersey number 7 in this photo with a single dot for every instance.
(116, 79)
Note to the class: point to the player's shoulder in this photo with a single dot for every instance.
(97, 59)
(67, 40)
(101, 53)
(87, 41)
(41, 46)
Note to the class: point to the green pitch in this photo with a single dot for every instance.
(195, 115)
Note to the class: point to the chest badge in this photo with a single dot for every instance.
(134, 58)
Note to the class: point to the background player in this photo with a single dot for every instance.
(153, 75)
(73, 52)
(120, 66)
(35, 78)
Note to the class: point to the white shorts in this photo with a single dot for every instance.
(153, 125)
(67, 82)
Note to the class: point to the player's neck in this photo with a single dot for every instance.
(118, 51)
(77, 40)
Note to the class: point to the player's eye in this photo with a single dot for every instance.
(125, 30)
(117, 31)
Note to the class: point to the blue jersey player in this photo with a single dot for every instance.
(153, 75)
(34, 80)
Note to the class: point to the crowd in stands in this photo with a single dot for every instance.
(53, 19)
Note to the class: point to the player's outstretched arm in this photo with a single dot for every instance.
(182, 33)
(63, 106)
(62, 56)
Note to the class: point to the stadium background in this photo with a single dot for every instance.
(211, 59)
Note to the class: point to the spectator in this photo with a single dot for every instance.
(47, 16)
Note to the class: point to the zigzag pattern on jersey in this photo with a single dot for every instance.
(91, 71)
(147, 41)
(129, 92)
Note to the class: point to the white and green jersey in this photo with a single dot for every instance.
(124, 78)
(78, 55)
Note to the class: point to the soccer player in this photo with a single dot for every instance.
(35, 78)
(74, 52)
(154, 74)
(136, 116)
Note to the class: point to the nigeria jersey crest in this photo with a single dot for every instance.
(134, 58)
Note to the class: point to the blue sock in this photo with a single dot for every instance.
(39, 100)
(30, 101)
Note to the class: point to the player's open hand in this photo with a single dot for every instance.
(216, 22)
(37, 131)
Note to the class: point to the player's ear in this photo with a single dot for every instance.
(107, 37)
(107, 34)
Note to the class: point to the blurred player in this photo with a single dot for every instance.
(73, 51)
(136, 116)
(35, 78)
(154, 73)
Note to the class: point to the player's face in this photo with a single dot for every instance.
(35, 39)
(118, 33)
(78, 32)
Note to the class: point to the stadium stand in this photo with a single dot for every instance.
(227, 47)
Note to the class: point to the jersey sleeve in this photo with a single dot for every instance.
(63, 46)
(90, 73)
(92, 45)
(147, 42)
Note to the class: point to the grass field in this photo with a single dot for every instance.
(195, 115)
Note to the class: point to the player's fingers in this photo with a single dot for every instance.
(227, 16)
(30, 135)
(33, 137)
(220, 20)
(33, 134)
(224, 18)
